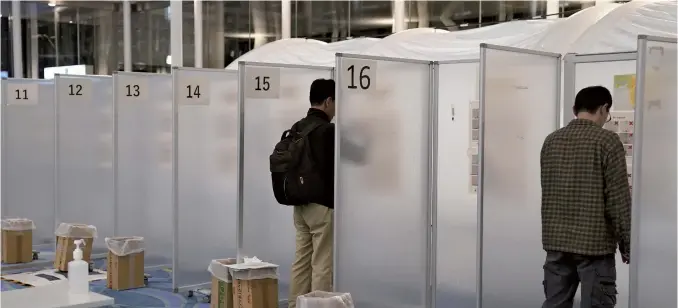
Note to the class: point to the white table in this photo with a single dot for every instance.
(52, 296)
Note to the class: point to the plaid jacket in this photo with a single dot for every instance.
(586, 198)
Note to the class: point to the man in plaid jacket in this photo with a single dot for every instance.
(586, 206)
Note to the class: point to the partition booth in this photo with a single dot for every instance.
(182, 160)
(385, 175)
(28, 157)
(272, 98)
(653, 242)
(204, 172)
(519, 107)
(85, 154)
(616, 72)
(456, 216)
(143, 182)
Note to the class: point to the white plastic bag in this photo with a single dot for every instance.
(320, 299)
(17, 224)
(219, 269)
(76, 230)
(253, 269)
(123, 246)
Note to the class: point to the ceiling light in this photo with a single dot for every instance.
(51, 3)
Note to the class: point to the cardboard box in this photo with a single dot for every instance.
(222, 290)
(257, 293)
(125, 272)
(17, 246)
(255, 285)
(64, 251)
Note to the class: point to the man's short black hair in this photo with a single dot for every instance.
(321, 89)
(590, 99)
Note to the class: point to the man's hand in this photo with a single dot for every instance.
(626, 258)
(625, 253)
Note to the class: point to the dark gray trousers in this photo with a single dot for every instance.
(563, 272)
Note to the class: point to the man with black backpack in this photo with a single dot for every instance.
(302, 172)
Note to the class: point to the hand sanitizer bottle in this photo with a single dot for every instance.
(78, 272)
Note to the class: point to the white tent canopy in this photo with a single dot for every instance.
(602, 28)
(288, 51)
(461, 44)
(355, 45)
(618, 31)
(561, 35)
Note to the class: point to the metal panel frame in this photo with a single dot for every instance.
(481, 143)
(655, 38)
(3, 177)
(458, 61)
(175, 179)
(570, 66)
(380, 58)
(637, 158)
(431, 209)
(115, 155)
(240, 213)
(56, 150)
(283, 65)
(434, 82)
(637, 144)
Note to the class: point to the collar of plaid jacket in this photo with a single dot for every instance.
(582, 122)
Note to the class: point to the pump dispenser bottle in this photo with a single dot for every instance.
(78, 272)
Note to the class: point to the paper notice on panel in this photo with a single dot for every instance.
(624, 94)
(474, 129)
(621, 122)
(22, 93)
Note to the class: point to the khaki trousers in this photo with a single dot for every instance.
(313, 261)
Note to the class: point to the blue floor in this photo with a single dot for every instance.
(157, 293)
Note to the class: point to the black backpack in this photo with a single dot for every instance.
(295, 177)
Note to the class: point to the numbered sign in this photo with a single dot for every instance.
(75, 89)
(192, 90)
(359, 74)
(132, 88)
(22, 93)
(262, 82)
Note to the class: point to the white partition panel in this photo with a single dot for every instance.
(273, 98)
(519, 103)
(144, 162)
(205, 177)
(85, 153)
(385, 180)
(28, 154)
(457, 182)
(616, 72)
(653, 244)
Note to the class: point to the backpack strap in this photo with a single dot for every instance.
(309, 129)
(303, 133)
